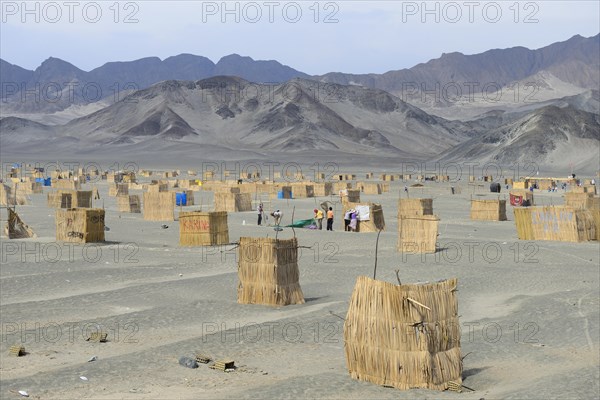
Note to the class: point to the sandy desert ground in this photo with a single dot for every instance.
(529, 311)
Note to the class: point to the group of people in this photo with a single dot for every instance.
(277, 214)
(319, 218)
(350, 220)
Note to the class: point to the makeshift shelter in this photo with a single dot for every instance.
(197, 228)
(370, 216)
(233, 202)
(70, 199)
(322, 189)
(15, 227)
(521, 185)
(118, 189)
(404, 336)
(370, 188)
(582, 200)
(66, 184)
(488, 210)
(80, 225)
(302, 190)
(558, 223)
(268, 272)
(159, 206)
(418, 233)
(521, 198)
(158, 187)
(414, 207)
(29, 187)
(129, 203)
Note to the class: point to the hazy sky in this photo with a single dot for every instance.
(314, 37)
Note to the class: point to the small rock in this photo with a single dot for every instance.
(188, 362)
(83, 378)
(94, 358)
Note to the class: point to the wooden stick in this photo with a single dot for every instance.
(398, 276)
(417, 303)
(376, 248)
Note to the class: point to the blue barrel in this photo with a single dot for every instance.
(181, 199)
(280, 194)
(48, 182)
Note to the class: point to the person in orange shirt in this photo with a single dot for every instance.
(330, 219)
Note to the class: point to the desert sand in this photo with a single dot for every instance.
(529, 311)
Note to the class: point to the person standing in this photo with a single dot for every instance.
(260, 213)
(347, 220)
(319, 218)
(353, 220)
(330, 219)
(277, 216)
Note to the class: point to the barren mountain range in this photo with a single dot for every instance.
(543, 106)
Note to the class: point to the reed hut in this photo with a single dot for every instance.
(521, 184)
(370, 216)
(582, 200)
(197, 228)
(268, 272)
(322, 189)
(351, 196)
(488, 210)
(404, 336)
(29, 187)
(519, 198)
(159, 206)
(118, 189)
(418, 233)
(233, 202)
(80, 225)
(302, 190)
(557, 223)
(369, 188)
(66, 184)
(70, 199)
(15, 227)
(158, 187)
(130, 203)
(414, 207)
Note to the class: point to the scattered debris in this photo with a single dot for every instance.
(164, 226)
(94, 358)
(188, 362)
(83, 378)
(106, 228)
(23, 393)
(17, 350)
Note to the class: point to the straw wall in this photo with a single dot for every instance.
(414, 207)
(369, 188)
(520, 185)
(581, 200)
(488, 210)
(376, 219)
(158, 187)
(70, 199)
(557, 223)
(268, 272)
(80, 225)
(524, 194)
(393, 341)
(119, 189)
(129, 203)
(198, 228)
(66, 184)
(159, 206)
(302, 190)
(233, 202)
(418, 234)
(323, 189)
